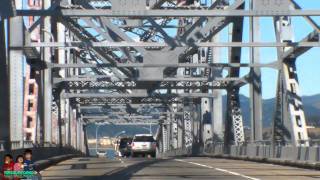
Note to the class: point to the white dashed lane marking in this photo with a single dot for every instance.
(219, 169)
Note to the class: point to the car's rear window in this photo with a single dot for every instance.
(143, 139)
(124, 142)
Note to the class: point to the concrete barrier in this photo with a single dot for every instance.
(303, 157)
(45, 156)
(314, 154)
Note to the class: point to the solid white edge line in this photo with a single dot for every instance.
(219, 169)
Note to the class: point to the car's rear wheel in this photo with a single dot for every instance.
(133, 154)
(153, 154)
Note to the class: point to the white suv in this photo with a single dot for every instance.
(143, 144)
(101, 153)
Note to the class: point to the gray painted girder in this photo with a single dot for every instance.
(293, 125)
(16, 80)
(4, 90)
(134, 95)
(255, 86)
(167, 13)
(234, 130)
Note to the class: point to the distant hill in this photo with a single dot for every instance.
(113, 130)
(311, 107)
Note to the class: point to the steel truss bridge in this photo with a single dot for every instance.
(66, 64)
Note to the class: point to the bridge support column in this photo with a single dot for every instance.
(67, 123)
(165, 138)
(180, 136)
(85, 138)
(4, 90)
(174, 127)
(78, 141)
(293, 128)
(255, 84)
(217, 118)
(74, 128)
(206, 120)
(16, 81)
(188, 133)
(234, 132)
(47, 79)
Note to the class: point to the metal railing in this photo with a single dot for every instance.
(28, 144)
(2, 145)
(16, 145)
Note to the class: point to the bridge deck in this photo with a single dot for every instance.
(180, 168)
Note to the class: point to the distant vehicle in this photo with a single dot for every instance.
(125, 146)
(143, 144)
(101, 153)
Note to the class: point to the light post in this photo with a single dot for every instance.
(118, 134)
(150, 130)
(97, 129)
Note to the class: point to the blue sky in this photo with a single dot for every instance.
(307, 65)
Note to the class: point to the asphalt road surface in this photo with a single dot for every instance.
(178, 168)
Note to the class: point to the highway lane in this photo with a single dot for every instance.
(178, 168)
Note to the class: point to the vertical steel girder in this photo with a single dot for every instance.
(174, 129)
(234, 132)
(255, 85)
(16, 60)
(293, 127)
(4, 90)
(234, 123)
(187, 128)
(280, 132)
(217, 121)
(165, 137)
(47, 80)
(297, 116)
(206, 120)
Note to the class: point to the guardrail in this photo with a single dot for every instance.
(302, 156)
(22, 144)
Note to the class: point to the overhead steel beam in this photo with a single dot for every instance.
(122, 122)
(111, 113)
(83, 35)
(138, 100)
(143, 85)
(76, 44)
(142, 117)
(295, 52)
(105, 95)
(307, 18)
(178, 65)
(154, 106)
(166, 13)
(169, 79)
